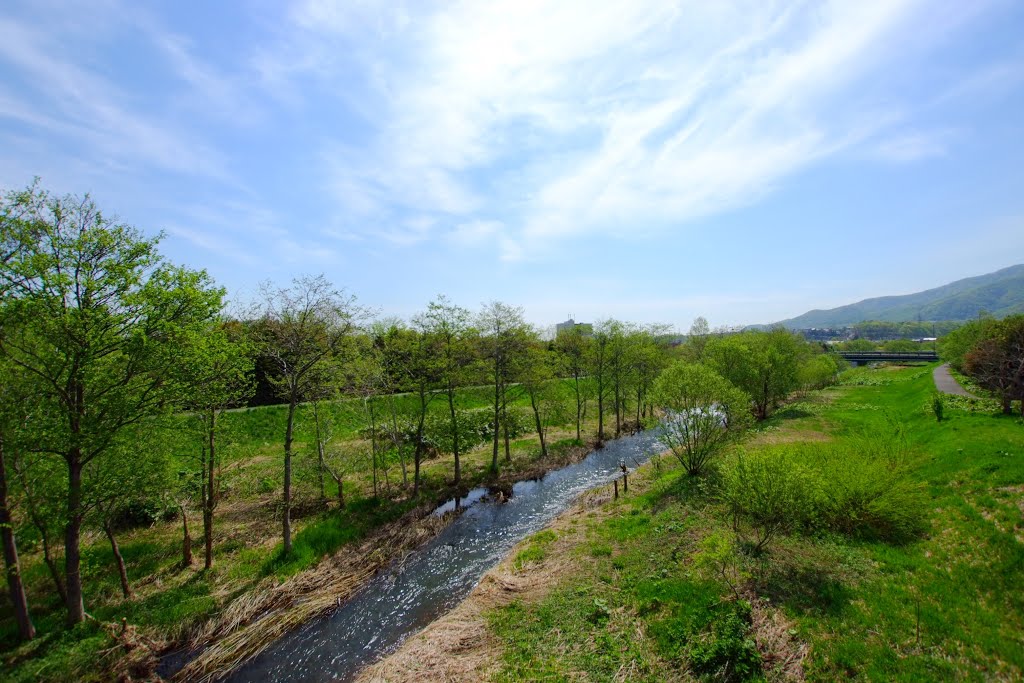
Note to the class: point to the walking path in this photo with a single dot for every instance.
(947, 384)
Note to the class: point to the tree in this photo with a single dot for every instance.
(119, 483)
(618, 357)
(955, 346)
(697, 339)
(301, 330)
(599, 367)
(763, 364)
(645, 359)
(450, 326)
(215, 374)
(536, 378)
(503, 342)
(996, 361)
(900, 346)
(701, 413)
(574, 348)
(92, 320)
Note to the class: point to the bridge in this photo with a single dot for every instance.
(861, 357)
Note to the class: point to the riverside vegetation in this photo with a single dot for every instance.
(124, 431)
(852, 536)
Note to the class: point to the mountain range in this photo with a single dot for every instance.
(1000, 294)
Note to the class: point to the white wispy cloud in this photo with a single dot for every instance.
(68, 99)
(579, 118)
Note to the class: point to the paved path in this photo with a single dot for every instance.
(947, 384)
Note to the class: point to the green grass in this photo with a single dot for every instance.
(946, 604)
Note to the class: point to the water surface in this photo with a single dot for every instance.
(409, 595)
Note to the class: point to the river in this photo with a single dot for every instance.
(409, 595)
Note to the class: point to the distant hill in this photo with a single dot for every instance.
(1000, 293)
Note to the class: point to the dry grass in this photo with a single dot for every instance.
(260, 616)
(782, 654)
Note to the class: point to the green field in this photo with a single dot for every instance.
(648, 599)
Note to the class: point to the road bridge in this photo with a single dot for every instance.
(862, 357)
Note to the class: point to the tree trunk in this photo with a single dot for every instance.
(600, 413)
(373, 448)
(1007, 408)
(211, 495)
(504, 429)
(19, 603)
(455, 433)
(540, 428)
(497, 394)
(121, 571)
(341, 491)
(286, 516)
(186, 539)
(319, 451)
(618, 410)
(579, 405)
(72, 540)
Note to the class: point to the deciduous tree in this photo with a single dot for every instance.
(301, 329)
(93, 317)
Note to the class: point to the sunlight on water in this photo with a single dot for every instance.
(403, 599)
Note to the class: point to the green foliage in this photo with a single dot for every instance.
(701, 413)
(938, 404)
(865, 488)
(955, 346)
(772, 490)
(859, 345)
(719, 560)
(763, 364)
(819, 371)
(860, 487)
(900, 346)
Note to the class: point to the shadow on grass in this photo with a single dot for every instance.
(805, 589)
(793, 413)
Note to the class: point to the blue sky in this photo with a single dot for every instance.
(652, 161)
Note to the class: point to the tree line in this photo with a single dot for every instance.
(116, 368)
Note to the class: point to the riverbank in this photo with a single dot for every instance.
(640, 588)
(174, 605)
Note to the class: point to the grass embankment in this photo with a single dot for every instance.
(645, 592)
(177, 604)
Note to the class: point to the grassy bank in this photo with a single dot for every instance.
(652, 594)
(173, 603)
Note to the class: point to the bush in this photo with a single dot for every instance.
(772, 490)
(865, 489)
(937, 406)
(860, 487)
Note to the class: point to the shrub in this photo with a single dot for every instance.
(772, 490)
(702, 413)
(865, 489)
(937, 406)
(859, 487)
